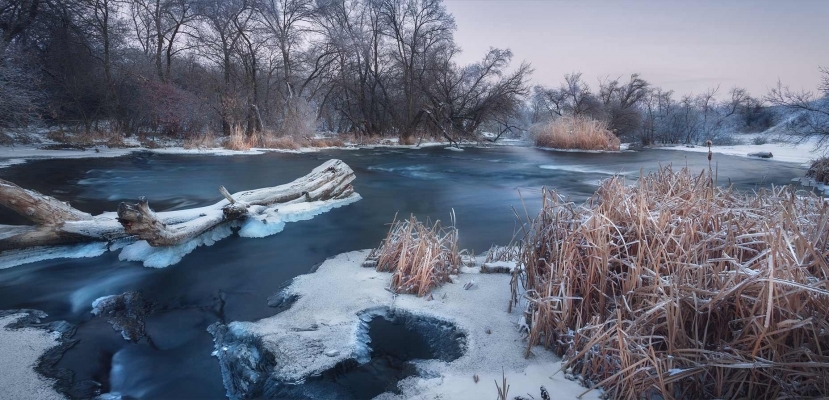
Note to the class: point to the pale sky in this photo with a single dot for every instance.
(687, 46)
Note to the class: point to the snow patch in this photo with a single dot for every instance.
(14, 258)
(327, 325)
(161, 257)
(21, 348)
(273, 220)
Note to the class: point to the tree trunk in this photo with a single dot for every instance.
(58, 223)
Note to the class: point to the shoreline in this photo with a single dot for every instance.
(14, 155)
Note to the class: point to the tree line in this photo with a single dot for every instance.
(180, 68)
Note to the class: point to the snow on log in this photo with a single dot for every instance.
(36, 207)
(58, 223)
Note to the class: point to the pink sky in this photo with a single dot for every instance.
(686, 46)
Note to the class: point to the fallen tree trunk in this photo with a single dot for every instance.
(58, 223)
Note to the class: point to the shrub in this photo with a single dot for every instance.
(420, 256)
(676, 288)
(577, 133)
(819, 170)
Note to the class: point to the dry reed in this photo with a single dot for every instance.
(819, 170)
(238, 141)
(200, 141)
(575, 133)
(420, 256)
(675, 288)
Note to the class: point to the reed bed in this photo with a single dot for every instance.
(575, 133)
(675, 288)
(421, 256)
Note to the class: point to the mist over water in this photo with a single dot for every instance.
(232, 279)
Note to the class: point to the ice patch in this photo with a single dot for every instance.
(98, 304)
(14, 258)
(161, 257)
(273, 220)
(453, 148)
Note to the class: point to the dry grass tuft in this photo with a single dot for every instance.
(86, 139)
(674, 288)
(206, 141)
(283, 142)
(819, 170)
(325, 142)
(238, 140)
(577, 133)
(420, 256)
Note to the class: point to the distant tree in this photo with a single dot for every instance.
(621, 102)
(809, 111)
(463, 98)
(18, 95)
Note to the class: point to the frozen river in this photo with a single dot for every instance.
(232, 280)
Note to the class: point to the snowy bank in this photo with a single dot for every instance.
(22, 347)
(800, 153)
(326, 325)
(13, 155)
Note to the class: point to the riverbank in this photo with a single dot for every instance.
(13, 155)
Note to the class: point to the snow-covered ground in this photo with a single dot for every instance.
(20, 349)
(328, 324)
(801, 153)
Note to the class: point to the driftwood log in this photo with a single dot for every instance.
(57, 223)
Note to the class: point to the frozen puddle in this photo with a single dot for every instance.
(342, 326)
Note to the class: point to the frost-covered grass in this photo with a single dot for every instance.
(676, 288)
(573, 133)
(420, 256)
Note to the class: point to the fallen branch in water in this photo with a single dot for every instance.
(57, 223)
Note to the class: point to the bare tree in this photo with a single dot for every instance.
(159, 26)
(809, 111)
(621, 101)
(16, 16)
(419, 29)
(18, 99)
(462, 99)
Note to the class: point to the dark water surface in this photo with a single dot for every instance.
(231, 280)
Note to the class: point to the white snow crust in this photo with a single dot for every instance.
(326, 325)
(19, 352)
(14, 258)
